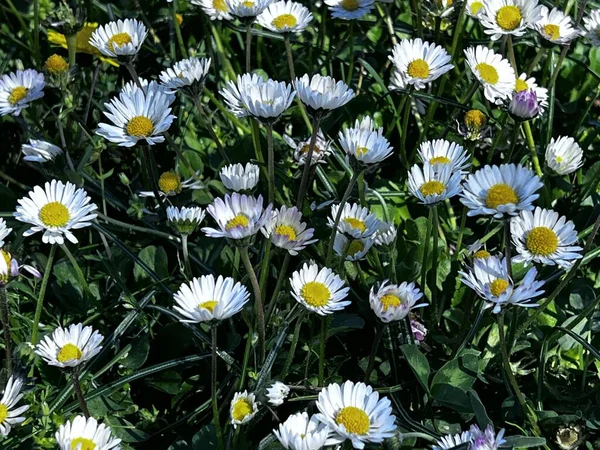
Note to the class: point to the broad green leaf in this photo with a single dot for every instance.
(459, 372)
(156, 259)
(418, 364)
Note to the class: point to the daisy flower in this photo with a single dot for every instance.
(564, 155)
(285, 17)
(493, 72)
(170, 184)
(355, 412)
(322, 94)
(9, 415)
(232, 92)
(434, 183)
(544, 237)
(10, 268)
(474, 8)
(237, 216)
(247, 9)
(215, 9)
(441, 151)
(18, 89)
(450, 441)
(301, 432)
(187, 73)
(236, 177)
(205, 299)
(555, 26)
(392, 302)
(524, 105)
(266, 100)
(243, 408)
(420, 63)
(185, 220)
(40, 151)
(56, 65)
(474, 125)
(478, 251)
(365, 143)
(355, 220)
(592, 26)
(349, 9)
(351, 249)
(4, 231)
(84, 434)
(321, 149)
(528, 84)
(70, 347)
(319, 291)
(286, 230)
(120, 39)
(386, 235)
(489, 278)
(56, 210)
(508, 17)
(499, 190)
(138, 114)
(486, 440)
(277, 393)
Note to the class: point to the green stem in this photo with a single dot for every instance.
(436, 236)
(461, 232)
(186, 256)
(426, 251)
(260, 315)
(72, 49)
(42, 293)
(248, 46)
(79, 392)
(507, 247)
(291, 66)
(78, 270)
(290, 356)
(351, 63)
(264, 269)
(279, 284)
(246, 357)
(177, 28)
(405, 118)
(513, 143)
(270, 163)
(213, 386)
(36, 32)
(307, 162)
(511, 55)
(322, 350)
(374, 349)
(209, 128)
(6, 334)
(533, 152)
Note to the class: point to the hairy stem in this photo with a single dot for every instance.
(260, 315)
(41, 294)
(4, 315)
(213, 388)
(79, 392)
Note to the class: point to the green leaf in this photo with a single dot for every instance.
(460, 372)
(125, 430)
(156, 259)
(345, 322)
(138, 354)
(524, 442)
(205, 439)
(483, 420)
(418, 364)
(179, 445)
(452, 397)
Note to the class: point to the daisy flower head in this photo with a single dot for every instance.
(277, 393)
(266, 100)
(451, 441)
(443, 152)
(432, 184)
(18, 89)
(40, 151)
(564, 155)
(555, 26)
(500, 190)
(232, 92)
(84, 434)
(9, 414)
(486, 440)
(286, 230)
(237, 177)
(121, 39)
(474, 125)
(321, 149)
(355, 220)
(10, 268)
(544, 237)
(285, 17)
(56, 210)
(56, 65)
(243, 408)
(352, 249)
(490, 279)
(319, 291)
(592, 26)
(214, 9)
(171, 183)
(365, 143)
(393, 302)
(349, 9)
(528, 84)
(247, 9)
(185, 220)
(386, 235)
(4, 231)
(207, 299)
(355, 412)
(138, 114)
(477, 250)
(524, 105)
(474, 8)
(420, 63)
(188, 74)
(301, 432)
(508, 17)
(238, 216)
(493, 72)
(322, 94)
(70, 347)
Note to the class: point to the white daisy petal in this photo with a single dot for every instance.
(285, 17)
(70, 347)
(301, 432)
(392, 302)
(18, 89)
(564, 155)
(319, 291)
(82, 433)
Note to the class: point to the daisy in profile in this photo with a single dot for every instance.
(185, 220)
(474, 8)
(301, 432)
(544, 237)
(351, 249)
(493, 72)
(237, 216)
(486, 439)
(355, 412)
(277, 393)
(285, 17)
(56, 210)
(349, 9)
(420, 63)
(432, 184)
(474, 125)
(286, 230)
(237, 177)
(450, 441)
(18, 89)
(85, 434)
(247, 9)
(206, 299)
(266, 100)
(393, 302)
(4, 231)
(70, 347)
(489, 278)
(232, 92)
(319, 291)
(508, 17)
(528, 84)
(9, 414)
(10, 268)
(214, 9)
(321, 150)
(500, 190)
(121, 39)
(524, 105)
(243, 408)
(40, 151)
(442, 152)
(592, 26)
(355, 220)
(322, 94)
(555, 26)
(170, 183)
(386, 235)
(186, 74)
(365, 143)
(564, 155)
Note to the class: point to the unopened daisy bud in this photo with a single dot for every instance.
(84, 434)
(243, 408)
(239, 178)
(392, 302)
(11, 414)
(124, 179)
(474, 125)
(56, 65)
(277, 393)
(8, 268)
(524, 105)
(70, 347)
(40, 151)
(185, 220)
(564, 155)
(386, 235)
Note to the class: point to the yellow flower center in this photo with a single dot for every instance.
(17, 94)
(521, 85)
(220, 5)
(541, 241)
(498, 287)
(287, 231)
(139, 126)
(238, 221)
(439, 160)
(68, 353)
(476, 7)
(354, 419)
(482, 254)
(501, 194)
(432, 188)
(356, 224)
(210, 305)
(315, 293)
(56, 64)
(306, 147)
(118, 40)
(390, 300)
(418, 69)
(552, 31)
(241, 409)
(179, 19)
(361, 151)
(350, 5)
(54, 214)
(169, 183)
(509, 17)
(488, 73)
(85, 444)
(284, 20)
(8, 259)
(248, 4)
(3, 413)
(475, 119)
(355, 247)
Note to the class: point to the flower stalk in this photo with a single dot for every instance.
(6, 333)
(260, 314)
(41, 294)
